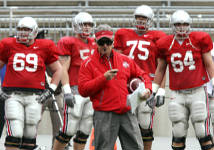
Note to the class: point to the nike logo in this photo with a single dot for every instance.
(35, 47)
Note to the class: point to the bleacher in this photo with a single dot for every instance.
(56, 15)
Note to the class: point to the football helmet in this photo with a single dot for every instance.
(26, 30)
(83, 24)
(144, 11)
(180, 23)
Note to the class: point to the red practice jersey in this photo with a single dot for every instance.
(141, 48)
(186, 67)
(78, 51)
(26, 65)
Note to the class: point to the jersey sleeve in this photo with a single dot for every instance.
(118, 41)
(161, 48)
(52, 55)
(64, 46)
(206, 43)
(157, 35)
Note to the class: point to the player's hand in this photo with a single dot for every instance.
(110, 74)
(156, 99)
(160, 97)
(3, 96)
(46, 94)
(145, 94)
(69, 99)
(151, 101)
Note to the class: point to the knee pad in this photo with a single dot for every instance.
(204, 140)
(86, 125)
(14, 110)
(147, 135)
(12, 141)
(177, 112)
(33, 113)
(145, 116)
(77, 110)
(28, 144)
(179, 118)
(198, 111)
(15, 128)
(71, 124)
(211, 108)
(81, 137)
(88, 110)
(178, 140)
(63, 138)
(199, 115)
(87, 119)
(30, 131)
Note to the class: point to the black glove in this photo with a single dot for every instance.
(151, 101)
(160, 97)
(46, 94)
(69, 99)
(160, 100)
(3, 96)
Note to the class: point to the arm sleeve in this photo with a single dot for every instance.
(87, 85)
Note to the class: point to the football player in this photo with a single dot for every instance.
(140, 45)
(78, 110)
(24, 82)
(190, 63)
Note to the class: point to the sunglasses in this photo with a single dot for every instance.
(102, 42)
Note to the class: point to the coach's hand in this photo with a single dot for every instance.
(46, 94)
(110, 74)
(69, 99)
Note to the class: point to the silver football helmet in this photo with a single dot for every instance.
(80, 22)
(26, 30)
(180, 23)
(144, 11)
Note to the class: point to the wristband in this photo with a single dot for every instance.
(66, 88)
(155, 87)
(53, 86)
(161, 91)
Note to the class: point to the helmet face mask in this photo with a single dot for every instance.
(181, 30)
(83, 24)
(143, 18)
(180, 22)
(26, 30)
(142, 24)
